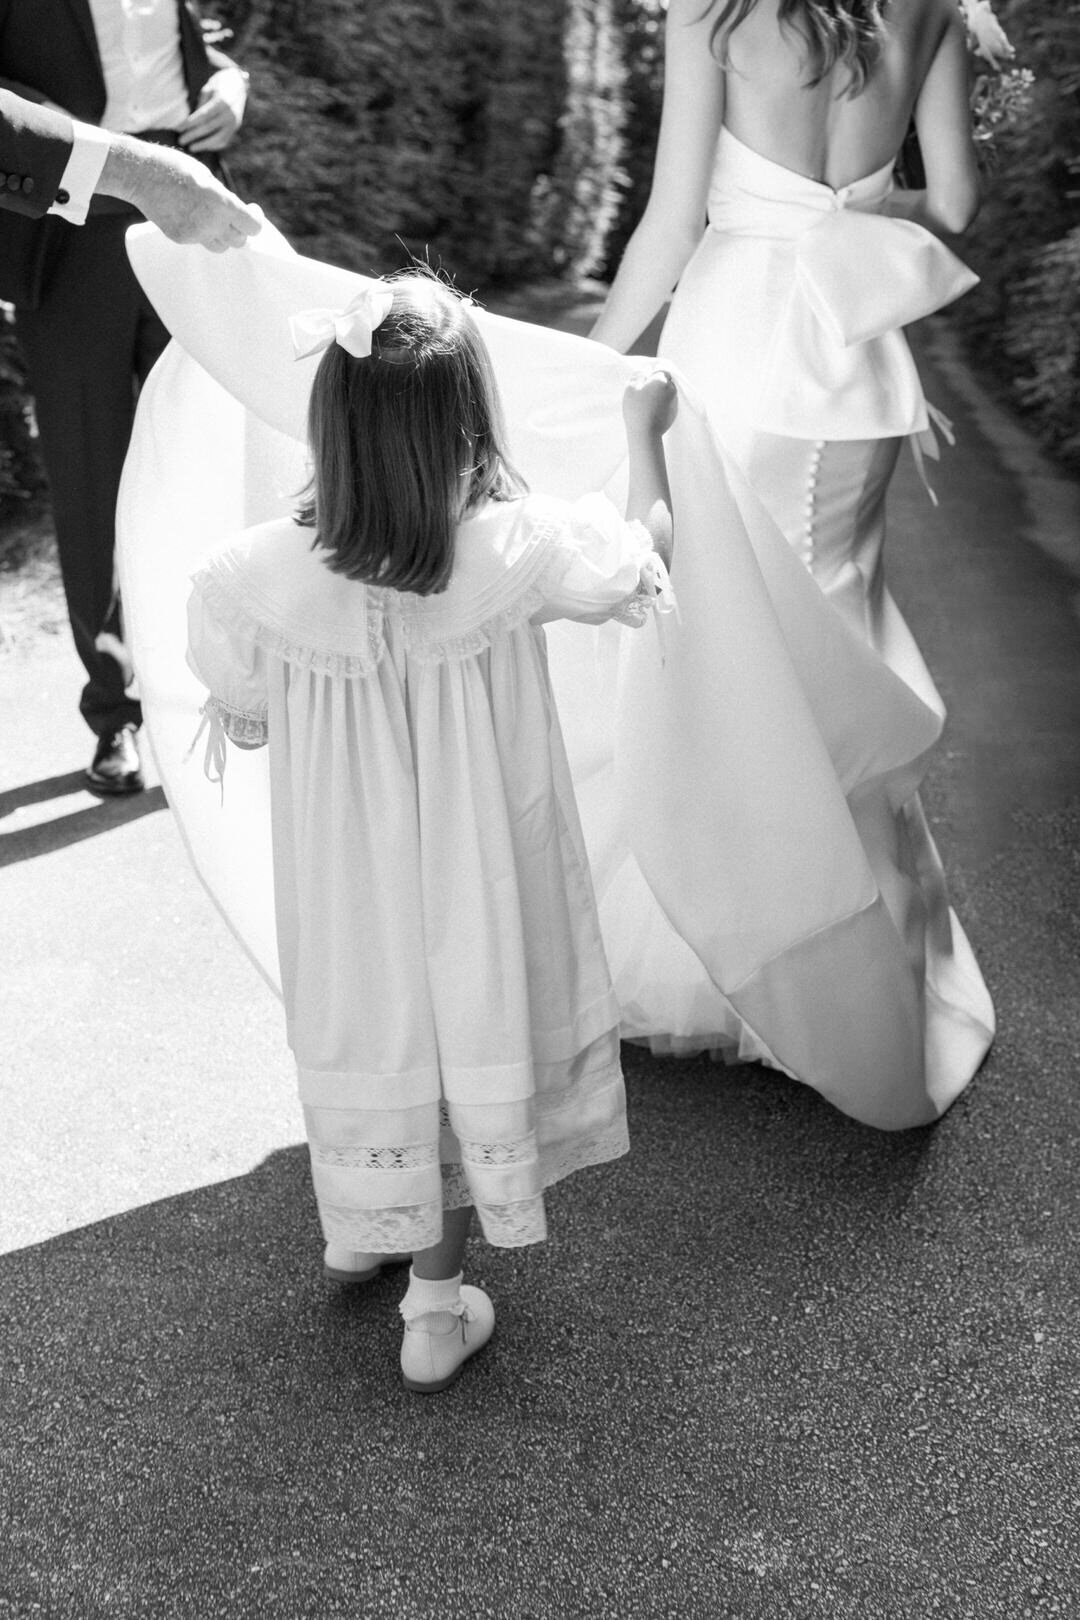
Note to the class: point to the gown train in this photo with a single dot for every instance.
(745, 773)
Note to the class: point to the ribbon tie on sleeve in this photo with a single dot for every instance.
(215, 757)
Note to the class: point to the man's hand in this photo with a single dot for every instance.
(217, 117)
(177, 193)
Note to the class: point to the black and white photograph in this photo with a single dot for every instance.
(540, 809)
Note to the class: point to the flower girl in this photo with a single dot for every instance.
(445, 985)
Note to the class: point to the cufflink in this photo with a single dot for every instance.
(63, 198)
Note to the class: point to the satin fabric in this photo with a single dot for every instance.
(812, 387)
(798, 295)
(715, 782)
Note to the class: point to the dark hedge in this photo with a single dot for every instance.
(1023, 321)
(484, 135)
(479, 132)
(511, 141)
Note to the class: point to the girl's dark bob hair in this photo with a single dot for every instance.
(405, 442)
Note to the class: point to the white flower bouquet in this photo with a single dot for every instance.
(1000, 91)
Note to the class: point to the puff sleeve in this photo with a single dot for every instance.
(228, 660)
(611, 569)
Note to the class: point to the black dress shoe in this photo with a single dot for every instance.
(115, 767)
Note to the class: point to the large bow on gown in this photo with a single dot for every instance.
(713, 755)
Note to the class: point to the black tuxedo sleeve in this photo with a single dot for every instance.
(35, 144)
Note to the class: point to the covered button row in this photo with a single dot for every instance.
(807, 547)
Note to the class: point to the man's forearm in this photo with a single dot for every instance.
(177, 193)
(127, 170)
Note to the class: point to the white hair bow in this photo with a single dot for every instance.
(315, 329)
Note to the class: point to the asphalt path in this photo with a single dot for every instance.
(775, 1364)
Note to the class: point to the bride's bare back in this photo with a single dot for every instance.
(764, 97)
(819, 130)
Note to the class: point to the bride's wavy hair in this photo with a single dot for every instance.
(405, 442)
(845, 31)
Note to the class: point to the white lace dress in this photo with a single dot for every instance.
(446, 989)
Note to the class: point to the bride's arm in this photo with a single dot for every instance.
(671, 226)
(950, 200)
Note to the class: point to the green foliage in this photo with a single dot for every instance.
(641, 23)
(484, 135)
(356, 124)
(479, 132)
(1042, 335)
(513, 141)
(576, 205)
(1023, 317)
(521, 87)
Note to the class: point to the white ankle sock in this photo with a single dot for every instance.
(426, 1295)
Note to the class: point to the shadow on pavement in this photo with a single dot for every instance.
(49, 787)
(45, 836)
(772, 1364)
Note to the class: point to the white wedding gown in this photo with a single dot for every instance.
(745, 774)
(789, 322)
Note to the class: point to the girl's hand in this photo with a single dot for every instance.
(650, 403)
(216, 119)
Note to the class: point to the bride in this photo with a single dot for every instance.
(781, 124)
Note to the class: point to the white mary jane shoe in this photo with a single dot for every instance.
(354, 1266)
(438, 1344)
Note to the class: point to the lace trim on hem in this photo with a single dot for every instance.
(383, 1231)
(493, 1155)
(507, 1226)
(414, 1156)
(513, 1226)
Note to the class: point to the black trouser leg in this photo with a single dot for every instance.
(88, 348)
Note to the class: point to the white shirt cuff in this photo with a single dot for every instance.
(89, 150)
